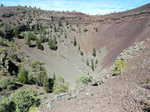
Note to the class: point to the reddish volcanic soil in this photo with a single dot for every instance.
(119, 31)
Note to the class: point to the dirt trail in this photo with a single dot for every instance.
(117, 94)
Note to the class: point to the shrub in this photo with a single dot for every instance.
(33, 109)
(49, 85)
(29, 36)
(36, 64)
(41, 47)
(46, 89)
(3, 42)
(13, 68)
(74, 42)
(85, 79)
(6, 31)
(94, 52)
(28, 42)
(118, 67)
(43, 37)
(5, 83)
(23, 28)
(11, 87)
(24, 99)
(7, 107)
(3, 108)
(81, 53)
(60, 86)
(6, 15)
(38, 78)
(39, 44)
(16, 31)
(23, 75)
(38, 75)
(52, 44)
(14, 56)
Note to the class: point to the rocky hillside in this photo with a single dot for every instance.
(53, 52)
(123, 93)
(107, 35)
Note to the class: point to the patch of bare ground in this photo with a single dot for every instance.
(128, 92)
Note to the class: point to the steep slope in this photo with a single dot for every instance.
(71, 44)
(108, 34)
(128, 92)
(118, 31)
(62, 26)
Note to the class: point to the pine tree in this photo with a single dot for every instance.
(23, 75)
